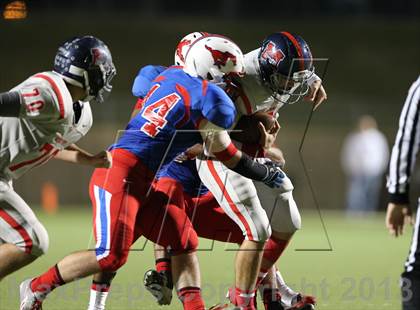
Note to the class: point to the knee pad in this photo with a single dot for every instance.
(265, 233)
(295, 218)
(259, 221)
(40, 239)
(283, 213)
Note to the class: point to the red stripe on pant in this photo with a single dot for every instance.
(128, 182)
(19, 228)
(232, 205)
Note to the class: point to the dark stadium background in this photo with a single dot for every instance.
(373, 47)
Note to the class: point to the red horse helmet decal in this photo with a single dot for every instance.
(221, 58)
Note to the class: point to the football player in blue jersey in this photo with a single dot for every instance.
(180, 99)
(204, 206)
(256, 87)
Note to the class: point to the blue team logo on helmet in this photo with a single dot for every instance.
(286, 64)
(86, 62)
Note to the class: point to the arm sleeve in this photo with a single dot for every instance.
(405, 148)
(144, 79)
(218, 108)
(10, 103)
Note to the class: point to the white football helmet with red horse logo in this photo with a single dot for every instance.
(184, 45)
(212, 57)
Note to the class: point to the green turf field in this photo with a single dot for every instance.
(361, 271)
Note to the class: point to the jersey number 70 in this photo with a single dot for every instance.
(157, 112)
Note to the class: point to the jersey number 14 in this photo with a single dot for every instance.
(156, 113)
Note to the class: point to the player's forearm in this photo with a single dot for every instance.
(74, 156)
(10, 104)
(74, 147)
(194, 151)
(248, 167)
(241, 163)
(218, 143)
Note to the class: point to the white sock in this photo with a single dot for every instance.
(97, 300)
(287, 294)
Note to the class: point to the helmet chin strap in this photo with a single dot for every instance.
(71, 81)
(87, 87)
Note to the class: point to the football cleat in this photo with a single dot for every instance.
(274, 305)
(29, 300)
(272, 301)
(302, 302)
(159, 285)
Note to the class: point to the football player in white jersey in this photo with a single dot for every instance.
(278, 73)
(43, 118)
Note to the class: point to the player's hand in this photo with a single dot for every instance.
(194, 151)
(397, 215)
(275, 176)
(101, 160)
(180, 158)
(316, 94)
(268, 138)
(190, 153)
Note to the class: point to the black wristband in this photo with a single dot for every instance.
(10, 104)
(398, 198)
(251, 169)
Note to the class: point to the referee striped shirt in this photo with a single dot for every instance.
(406, 146)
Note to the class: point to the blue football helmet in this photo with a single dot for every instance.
(286, 64)
(86, 62)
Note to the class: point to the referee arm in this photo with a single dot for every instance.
(402, 162)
